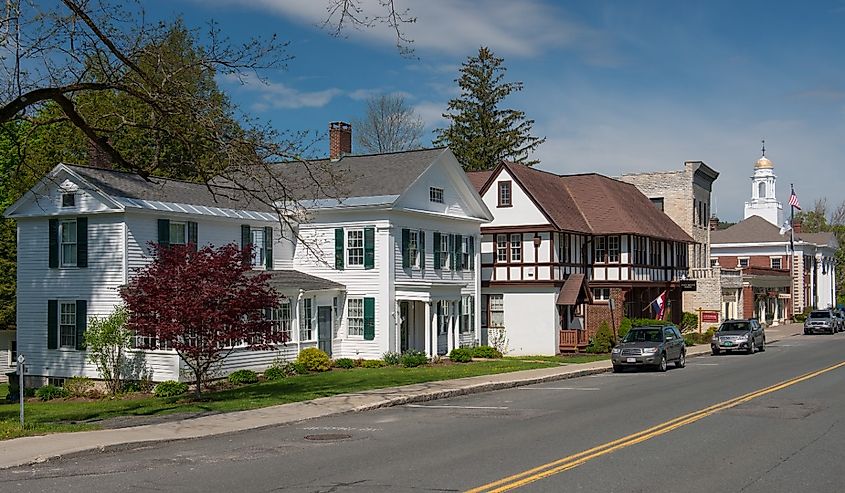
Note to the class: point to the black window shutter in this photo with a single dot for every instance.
(82, 242)
(471, 252)
(406, 239)
(459, 250)
(422, 249)
(268, 247)
(451, 247)
(81, 322)
(192, 235)
(460, 315)
(52, 324)
(436, 248)
(54, 243)
(164, 233)
(246, 240)
(369, 248)
(338, 248)
(369, 319)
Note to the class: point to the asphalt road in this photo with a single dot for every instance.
(787, 440)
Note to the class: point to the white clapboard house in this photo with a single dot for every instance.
(389, 266)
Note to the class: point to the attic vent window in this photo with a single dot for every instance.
(435, 194)
(68, 199)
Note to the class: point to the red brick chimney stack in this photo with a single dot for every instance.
(340, 140)
(796, 227)
(97, 157)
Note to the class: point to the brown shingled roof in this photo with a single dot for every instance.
(755, 229)
(479, 178)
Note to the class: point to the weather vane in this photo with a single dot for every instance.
(764, 147)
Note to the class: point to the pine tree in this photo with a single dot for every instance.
(480, 133)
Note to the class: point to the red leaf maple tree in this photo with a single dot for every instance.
(203, 303)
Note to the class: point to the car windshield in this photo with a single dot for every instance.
(644, 335)
(820, 315)
(735, 326)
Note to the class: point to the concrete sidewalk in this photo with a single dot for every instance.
(27, 450)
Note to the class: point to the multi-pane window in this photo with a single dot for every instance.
(776, 263)
(444, 251)
(13, 352)
(67, 234)
(435, 194)
(656, 249)
(258, 252)
(743, 262)
(516, 247)
(496, 305)
(501, 248)
(306, 322)
(355, 247)
(442, 317)
(281, 319)
(564, 249)
(467, 313)
(601, 294)
(613, 249)
(682, 254)
(600, 249)
(505, 197)
(67, 324)
(414, 248)
(467, 241)
(640, 246)
(355, 317)
(179, 233)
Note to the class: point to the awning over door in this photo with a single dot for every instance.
(571, 289)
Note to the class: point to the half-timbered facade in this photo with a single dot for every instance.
(566, 253)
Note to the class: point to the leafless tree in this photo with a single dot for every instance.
(389, 125)
(343, 13)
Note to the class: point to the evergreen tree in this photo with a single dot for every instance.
(481, 133)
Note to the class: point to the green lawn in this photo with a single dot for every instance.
(565, 359)
(61, 416)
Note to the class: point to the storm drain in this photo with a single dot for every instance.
(325, 437)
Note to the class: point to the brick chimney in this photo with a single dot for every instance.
(97, 157)
(796, 226)
(714, 223)
(340, 140)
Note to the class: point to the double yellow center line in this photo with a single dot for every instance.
(573, 461)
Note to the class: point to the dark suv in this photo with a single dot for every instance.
(738, 335)
(653, 346)
(820, 321)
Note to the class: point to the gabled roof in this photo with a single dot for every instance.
(592, 203)
(755, 229)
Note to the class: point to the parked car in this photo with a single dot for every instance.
(840, 320)
(652, 346)
(739, 335)
(820, 321)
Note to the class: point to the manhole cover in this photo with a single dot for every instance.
(328, 436)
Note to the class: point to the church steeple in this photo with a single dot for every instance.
(764, 201)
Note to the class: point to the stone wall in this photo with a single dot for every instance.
(707, 296)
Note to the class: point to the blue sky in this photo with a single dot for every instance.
(613, 86)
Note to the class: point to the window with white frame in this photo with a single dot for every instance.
(743, 262)
(281, 320)
(355, 317)
(306, 322)
(68, 199)
(496, 306)
(613, 249)
(501, 248)
(444, 251)
(67, 235)
(600, 250)
(776, 263)
(442, 317)
(67, 324)
(467, 241)
(467, 313)
(414, 248)
(258, 253)
(516, 247)
(178, 233)
(435, 194)
(355, 247)
(601, 294)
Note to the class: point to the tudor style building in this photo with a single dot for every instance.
(565, 253)
(383, 259)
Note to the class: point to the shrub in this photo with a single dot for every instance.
(79, 386)
(314, 359)
(461, 355)
(275, 373)
(107, 341)
(413, 358)
(170, 388)
(243, 377)
(50, 392)
(345, 363)
(485, 352)
(392, 358)
(624, 326)
(689, 322)
(602, 341)
(298, 368)
(373, 363)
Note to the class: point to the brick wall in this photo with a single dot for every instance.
(748, 302)
(600, 312)
(765, 261)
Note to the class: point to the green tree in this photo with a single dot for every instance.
(481, 133)
(106, 342)
(820, 219)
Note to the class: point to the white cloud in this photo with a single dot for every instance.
(431, 114)
(281, 96)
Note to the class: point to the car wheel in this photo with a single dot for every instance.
(714, 352)
(662, 366)
(832, 331)
(682, 360)
(750, 349)
(617, 368)
(762, 347)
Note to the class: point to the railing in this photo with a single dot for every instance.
(700, 273)
(571, 339)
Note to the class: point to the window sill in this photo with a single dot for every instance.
(504, 206)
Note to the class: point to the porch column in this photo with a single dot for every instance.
(776, 317)
(434, 331)
(450, 337)
(427, 327)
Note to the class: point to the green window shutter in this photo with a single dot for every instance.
(451, 246)
(338, 248)
(164, 233)
(52, 324)
(471, 300)
(472, 252)
(406, 256)
(81, 322)
(369, 248)
(369, 319)
(422, 249)
(246, 236)
(192, 235)
(436, 248)
(459, 242)
(54, 243)
(460, 315)
(82, 242)
(268, 247)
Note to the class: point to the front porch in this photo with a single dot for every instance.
(434, 320)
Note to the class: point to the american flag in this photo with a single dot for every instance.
(793, 200)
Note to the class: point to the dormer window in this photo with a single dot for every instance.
(505, 197)
(435, 194)
(68, 199)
